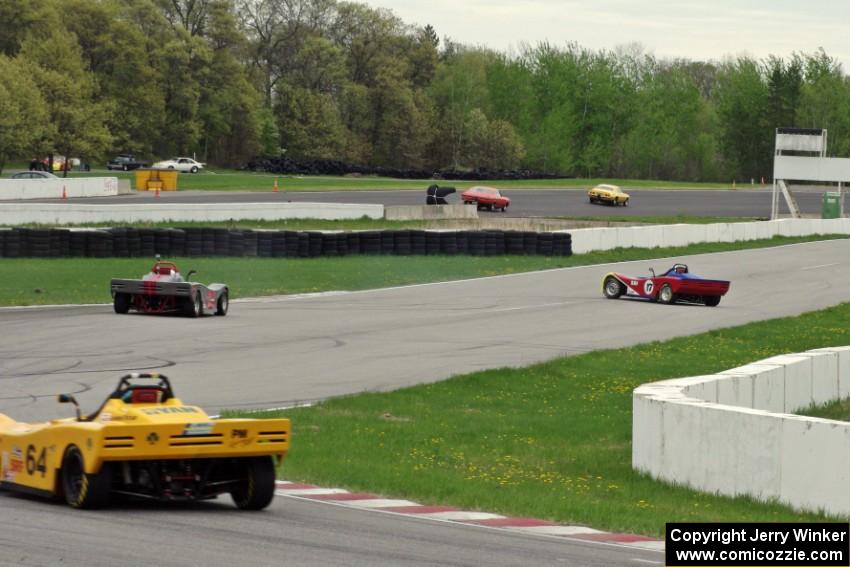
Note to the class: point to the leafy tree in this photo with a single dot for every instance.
(747, 139)
(23, 113)
(824, 101)
(76, 124)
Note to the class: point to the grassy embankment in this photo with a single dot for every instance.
(838, 409)
(551, 440)
(365, 223)
(44, 281)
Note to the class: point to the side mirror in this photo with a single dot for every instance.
(651, 271)
(189, 275)
(69, 399)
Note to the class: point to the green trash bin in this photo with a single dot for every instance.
(831, 208)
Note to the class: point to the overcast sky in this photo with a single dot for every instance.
(697, 30)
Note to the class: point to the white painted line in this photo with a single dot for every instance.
(647, 561)
(820, 266)
(309, 491)
(460, 516)
(557, 530)
(650, 545)
(379, 503)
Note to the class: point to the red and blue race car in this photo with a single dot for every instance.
(675, 285)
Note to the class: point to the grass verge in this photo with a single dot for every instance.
(549, 441)
(363, 223)
(838, 410)
(669, 219)
(234, 180)
(46, 281)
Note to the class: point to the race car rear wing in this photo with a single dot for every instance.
(142, 287)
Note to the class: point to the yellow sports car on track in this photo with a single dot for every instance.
(143, 443)
(609, 194)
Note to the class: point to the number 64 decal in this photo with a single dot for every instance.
(35, 464)
(648, 287)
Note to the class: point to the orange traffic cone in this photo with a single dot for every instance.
(276, 190)
(64, 193)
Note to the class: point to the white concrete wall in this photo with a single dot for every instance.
(72, 213)
(16, 189)
(731, 433)
(592, 239)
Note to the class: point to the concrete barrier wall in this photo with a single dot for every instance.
(16, 189)
(430, 212)
(592, 239)
(732, 433)
(67, 213)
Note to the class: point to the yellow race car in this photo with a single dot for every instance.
(145, 443)
(610, 194)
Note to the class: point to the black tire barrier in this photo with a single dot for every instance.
(125, 242)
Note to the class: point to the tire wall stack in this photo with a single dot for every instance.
(146, 242)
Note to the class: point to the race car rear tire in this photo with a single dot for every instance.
(194, 307)
(121, 303)
(712, 300)
(257, 489)
(613, 288)
(222, 304)
(83, 490)
(666, 295)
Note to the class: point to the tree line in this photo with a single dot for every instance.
(228, 80)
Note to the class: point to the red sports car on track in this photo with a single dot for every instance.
(675, 285)
(485, 198)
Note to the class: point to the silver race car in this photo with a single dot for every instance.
(164, 290)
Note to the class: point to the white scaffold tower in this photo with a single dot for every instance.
(800, 155)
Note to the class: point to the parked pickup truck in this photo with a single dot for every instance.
(125, 162)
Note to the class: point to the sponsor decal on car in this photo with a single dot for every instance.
(106, 416)
(178, 409)
(198, 429)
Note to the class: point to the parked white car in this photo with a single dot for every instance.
(184, 164)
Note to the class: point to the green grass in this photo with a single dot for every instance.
(46, 281)
(666, 219)
(838, 410)
(550, 441)
(363, 223)
(233, 180)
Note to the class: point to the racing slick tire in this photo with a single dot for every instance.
(257, 489)
(121, 303)
(626, 203)
(222, 304)
(712, 300)
(83, 490)
(612, 288)
(666, 295)
(194, 307)
(194, 169)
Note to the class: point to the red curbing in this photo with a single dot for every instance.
(365, 500)
(512, 522)
(345, 496)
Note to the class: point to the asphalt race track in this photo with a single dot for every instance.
(524, 202)
(273, 351)
(289, 532)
